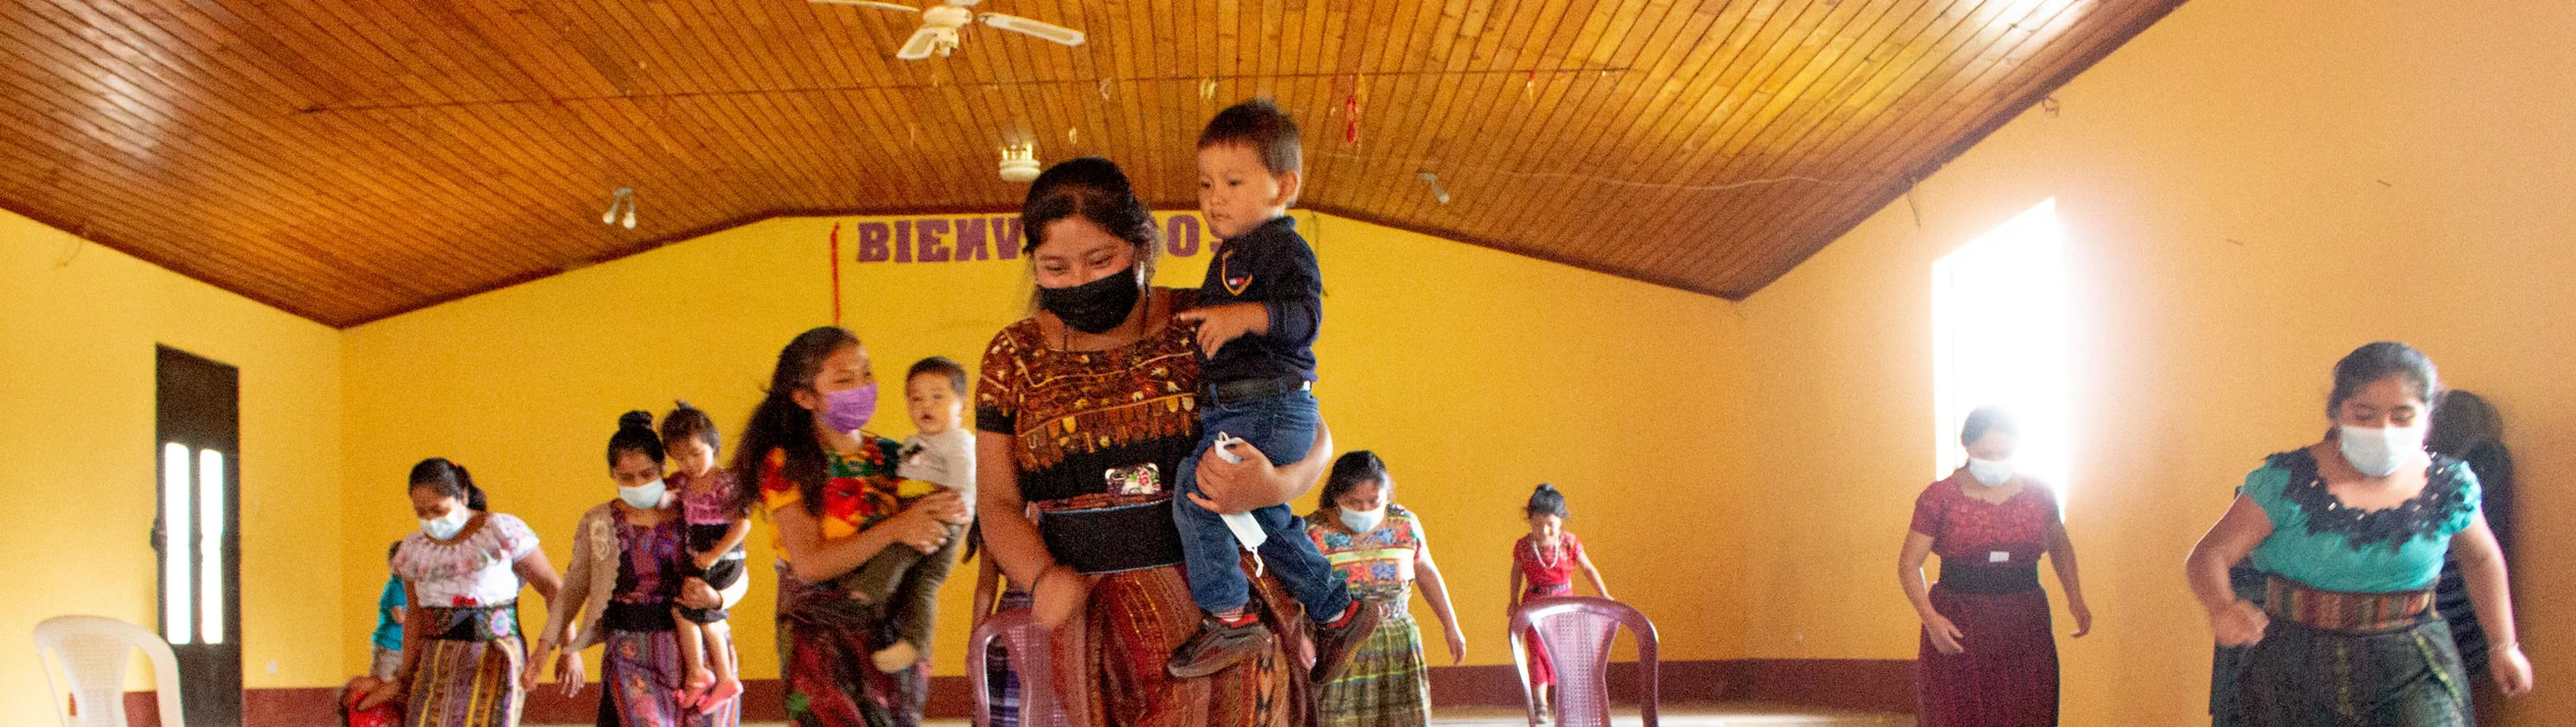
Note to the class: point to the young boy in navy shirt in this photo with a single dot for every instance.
(1258, 312)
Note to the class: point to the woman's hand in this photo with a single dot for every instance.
(945, 505)
(695, 593)
(2239, 623)
(1457, 646)
(1057, 596)
(536, 655)
(1227, 488)
(923, 526)
(2083, 616)
(568, 674)
(390, 690)
(1946, 636)
(2511, 669)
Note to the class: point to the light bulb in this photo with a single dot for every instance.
(610, 217)
(630, 214)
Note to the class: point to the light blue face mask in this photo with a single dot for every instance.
(1991, 472)
(447, 526)
(1363, 523)
(647, 496)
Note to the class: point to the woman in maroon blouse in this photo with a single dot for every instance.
(1986, 657)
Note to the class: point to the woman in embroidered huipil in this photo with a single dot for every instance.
(1986, 656)
(463, 651)
(1377, 547)
(2352, 531)
(831, 489)
(1082, 412)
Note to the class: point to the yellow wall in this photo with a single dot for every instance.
(2250, 190)
(1475, 373)
(76, 386)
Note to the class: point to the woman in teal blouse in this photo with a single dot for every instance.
(2352, 531)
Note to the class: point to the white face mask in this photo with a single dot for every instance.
(2379, 451)
(448, 525)
(646, 496)
(1992, 472)
(1363, 521)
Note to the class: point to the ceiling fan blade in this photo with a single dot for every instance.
(964, 3)
(868, 4)
(923, 42)
(1042, 31)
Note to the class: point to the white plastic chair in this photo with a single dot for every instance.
(92, 652)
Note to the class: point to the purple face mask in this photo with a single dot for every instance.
(848, 410)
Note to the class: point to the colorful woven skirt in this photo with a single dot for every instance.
(2352, 660)
(825, 640)
(641, 679)
(2007, 677)
(471, 680)
(1111, 670)
(1387, 683)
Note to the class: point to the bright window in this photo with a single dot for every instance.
(1999, 337)
(176, 542)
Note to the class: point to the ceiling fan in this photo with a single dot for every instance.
(939, 25)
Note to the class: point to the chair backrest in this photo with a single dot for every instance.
(1576, 631)
(1027, 647)
(92, 652)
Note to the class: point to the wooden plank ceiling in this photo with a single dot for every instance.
(348, 160)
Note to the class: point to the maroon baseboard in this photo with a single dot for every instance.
(1868, 685)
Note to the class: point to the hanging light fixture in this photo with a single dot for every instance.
(1436, 192)
(1020, 163)
(624, 197)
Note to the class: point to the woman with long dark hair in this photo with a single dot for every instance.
(1084, 411)
(2351, 532)
(1379, 549)
(463, 652)
(830, 487)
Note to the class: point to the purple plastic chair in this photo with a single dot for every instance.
(1577, 631)
(1028, 649)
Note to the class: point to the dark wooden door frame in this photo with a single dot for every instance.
(199, 407)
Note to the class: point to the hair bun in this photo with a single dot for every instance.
(638, 419)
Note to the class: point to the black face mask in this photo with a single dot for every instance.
(1096, 306)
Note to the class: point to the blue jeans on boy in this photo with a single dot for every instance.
(1283, 428)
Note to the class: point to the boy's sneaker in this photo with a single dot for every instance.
(1334, 644)
(1217, 646)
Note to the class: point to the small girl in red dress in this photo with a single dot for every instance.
(1543, 565)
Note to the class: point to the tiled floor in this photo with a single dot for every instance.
(1707, 715)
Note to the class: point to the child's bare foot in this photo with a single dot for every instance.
(694, 691)
(724, 691)
(896, 658)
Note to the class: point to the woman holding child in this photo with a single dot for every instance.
(1084, 411)
(844, 520)
(626, 586)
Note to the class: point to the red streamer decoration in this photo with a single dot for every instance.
(836, 273)
(1351, 119)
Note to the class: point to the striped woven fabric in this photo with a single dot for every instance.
(467, 683)
(2340, 611)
